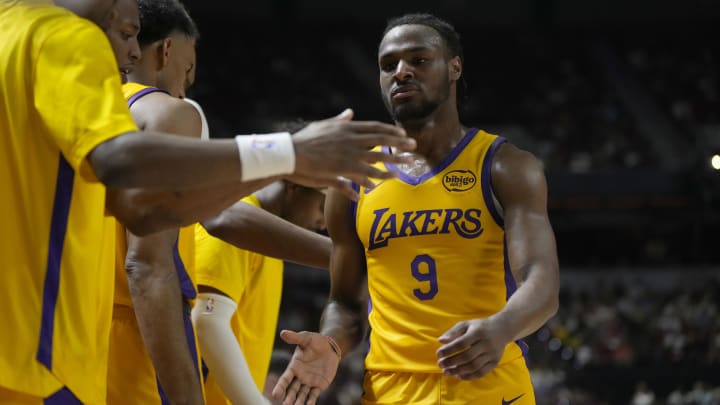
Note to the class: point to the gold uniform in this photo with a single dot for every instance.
(59, 98)
(436, 255)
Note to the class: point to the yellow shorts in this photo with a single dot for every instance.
(62, 397)
(131, 375)
(508, 384)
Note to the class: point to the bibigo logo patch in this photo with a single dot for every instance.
(459, 180)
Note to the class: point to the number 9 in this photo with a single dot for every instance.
(429, 276)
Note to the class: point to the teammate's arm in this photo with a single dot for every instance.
(155, 292)
(252, 228)
(151, 272)
(211, 315)
(314, 363)
(144, 211)
(324, 150)
(473, 348)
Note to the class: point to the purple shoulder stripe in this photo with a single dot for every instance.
(487, 181)
(135, 97)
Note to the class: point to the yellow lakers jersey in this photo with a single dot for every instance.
(56, 105)
(254, 282)
(436, 255)
(184, 250)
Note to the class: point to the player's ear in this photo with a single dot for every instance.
(455, 68)
(164, 52)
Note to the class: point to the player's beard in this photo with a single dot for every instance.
(416, 111)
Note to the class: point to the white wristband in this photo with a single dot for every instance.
(263, 156)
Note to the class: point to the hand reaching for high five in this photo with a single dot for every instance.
(311, 369)
(329, 150)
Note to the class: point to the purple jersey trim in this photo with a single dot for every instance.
(186, 285)
(486, 181)
(415, 180)
(142, 93)
(62, 397)
(190, 336)
(58, 227)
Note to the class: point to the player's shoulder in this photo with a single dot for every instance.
(511, 159)
(56, 23)
(161, 111)
(161, 102)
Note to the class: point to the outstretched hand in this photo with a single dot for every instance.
(472, 348)
(311, 369)
(338, 148)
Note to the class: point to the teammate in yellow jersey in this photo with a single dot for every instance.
(65, 132)
(153, 355)
(239, 290)
(460, 255)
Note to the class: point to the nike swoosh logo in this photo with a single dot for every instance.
(504, 402)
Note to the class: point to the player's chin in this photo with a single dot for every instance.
(123, 77)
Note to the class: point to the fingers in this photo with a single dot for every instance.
(475, 369)
(292, 392)
(373, 157)
(455, 347)
(467, 365)
(302, 395)
(368, 128)
(296, 338)
(346, 189)
(468, 355)
(471, 373)
(346, 115)
(372, 139)
(313, 396)
(453, 333)
(281, 386)
(289, 336)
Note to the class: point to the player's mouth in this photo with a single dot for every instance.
(403, 92)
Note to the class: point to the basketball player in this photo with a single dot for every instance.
(459, 252)
(239, 291)
(65, 132)
(153, 355)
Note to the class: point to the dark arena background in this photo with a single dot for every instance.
(620, 100)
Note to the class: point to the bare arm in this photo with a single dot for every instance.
(343, 316)
(144, 211)
(152, 276)
(252, 228)
(155, 292)
(473, 348)
(323, 151)
(314, 363)
(519, 183)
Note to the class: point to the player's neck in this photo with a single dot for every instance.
(143, 75)
(436, 138)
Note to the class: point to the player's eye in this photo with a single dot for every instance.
(388, 67)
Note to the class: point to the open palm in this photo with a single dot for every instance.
(311, 369)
